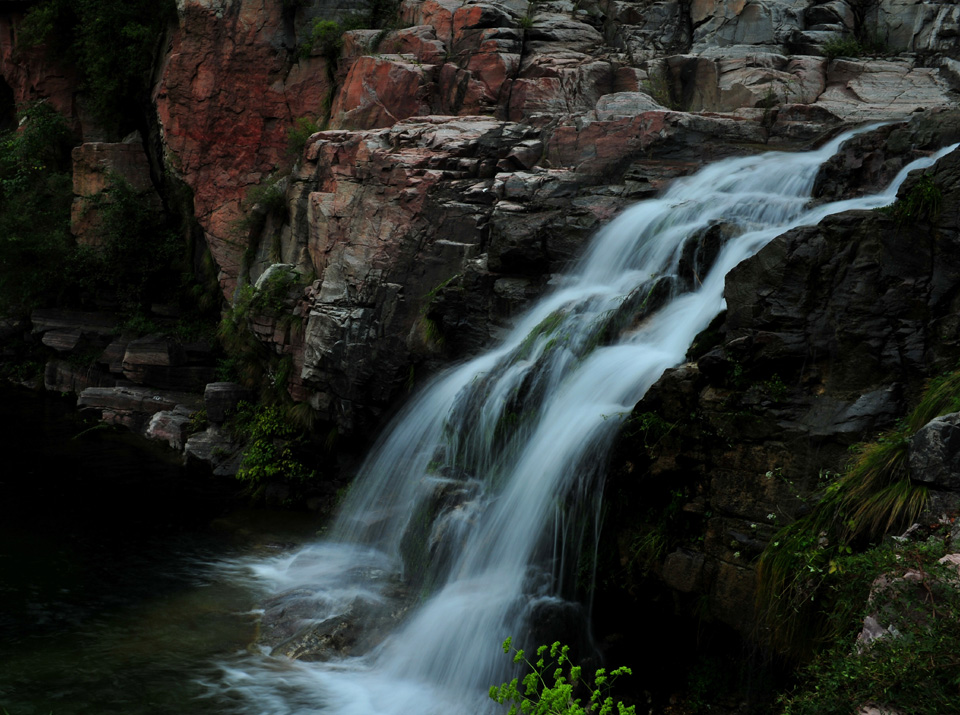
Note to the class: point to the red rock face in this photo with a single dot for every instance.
(32, 75)
(226, 99)
(380, 91)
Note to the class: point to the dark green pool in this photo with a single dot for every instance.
(113, 593)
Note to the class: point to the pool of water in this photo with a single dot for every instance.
(118, 585)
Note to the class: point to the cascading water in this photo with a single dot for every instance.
(464, 517)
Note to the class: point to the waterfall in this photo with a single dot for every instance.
(464, 520)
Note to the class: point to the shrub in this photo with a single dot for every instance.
(111, 43)
(299, 133)
(35, 197)
(271, 442)
(549, 687)
(863, 45)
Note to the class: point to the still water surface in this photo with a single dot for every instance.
(115, 589)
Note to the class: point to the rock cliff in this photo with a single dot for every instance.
(468, 150)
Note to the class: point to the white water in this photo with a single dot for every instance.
(477, 481)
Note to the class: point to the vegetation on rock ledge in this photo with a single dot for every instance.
(816, 574)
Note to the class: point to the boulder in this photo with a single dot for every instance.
(934, 455)
(880, 90)
(222, 398)
(215, 449)
(170, 426)
(132, 407)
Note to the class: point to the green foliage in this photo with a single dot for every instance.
(853, 46)
(298, 135)
(271, 443)
(136, 257)
(326, 36)
(658, 86)
(198, 421)
(248, 361)
(269, 195)
(775, 388)
(549, 686)
(35, 197)
(798, 571)
(111, 43)
(648, 425)
(923, 201)
(916, 671)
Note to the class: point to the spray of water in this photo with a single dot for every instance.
(467, 518)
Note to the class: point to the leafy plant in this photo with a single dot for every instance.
(271, 441)
(553, 693)
(923, 200)
(874, 496)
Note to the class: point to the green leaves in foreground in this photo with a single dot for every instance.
(539, 697)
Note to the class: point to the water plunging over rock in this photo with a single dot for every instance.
(470, 518)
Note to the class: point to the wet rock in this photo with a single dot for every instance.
(221, 399)
(171, 426)
(214, 448)
(131, 406)
(934, 455)
(683, 570)
(870, 161)
(300, 624)
(828, 331)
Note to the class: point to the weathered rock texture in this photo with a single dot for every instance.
(830, 331)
